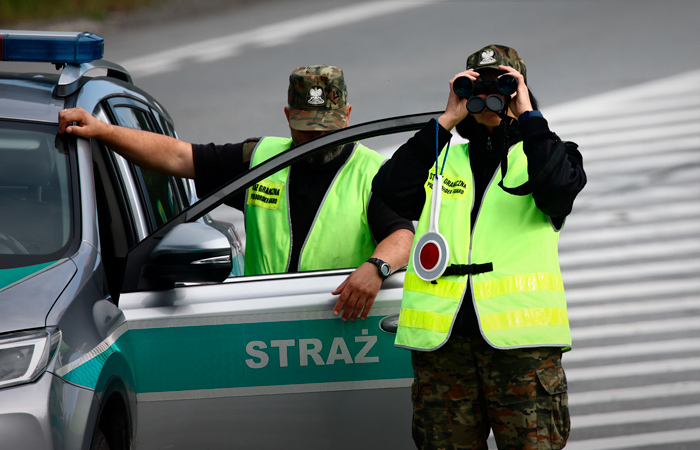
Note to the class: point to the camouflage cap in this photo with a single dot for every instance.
(317, 98)
(492, 56)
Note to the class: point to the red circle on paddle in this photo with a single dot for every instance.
(429, 255)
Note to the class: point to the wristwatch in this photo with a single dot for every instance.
(383, 267)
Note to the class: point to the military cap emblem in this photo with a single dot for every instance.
(487, 57)
(315, 96)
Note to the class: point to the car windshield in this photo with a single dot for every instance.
(36, 221)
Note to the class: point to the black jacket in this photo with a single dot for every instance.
(216, 165)
(400, 181)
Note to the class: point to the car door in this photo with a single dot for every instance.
(260, 361)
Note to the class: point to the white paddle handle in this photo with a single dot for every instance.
(435, 204)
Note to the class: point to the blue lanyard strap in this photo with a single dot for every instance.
(437, 149)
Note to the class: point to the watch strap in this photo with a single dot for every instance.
(379, 263)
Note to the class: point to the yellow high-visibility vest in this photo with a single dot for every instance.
(339, 236)
(520, 303)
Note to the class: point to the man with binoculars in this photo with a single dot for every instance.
(483, 308)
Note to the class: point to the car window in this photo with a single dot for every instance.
(391, 133)
(161, 196)
(384, 145)
(36, 219)
(165, 125)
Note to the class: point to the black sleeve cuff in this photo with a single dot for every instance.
(534, 127)
(426, 136)
(527, 114)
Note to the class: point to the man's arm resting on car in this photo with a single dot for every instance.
(358, 291)
(148, 150)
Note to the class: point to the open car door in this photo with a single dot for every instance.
(259, 360)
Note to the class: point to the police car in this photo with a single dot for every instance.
(123, 321)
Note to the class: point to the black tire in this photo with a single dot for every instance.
(99, 441)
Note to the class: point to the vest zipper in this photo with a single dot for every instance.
(470, 279)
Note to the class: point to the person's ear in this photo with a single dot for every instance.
(347, 116)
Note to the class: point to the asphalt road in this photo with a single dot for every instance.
(223, 74)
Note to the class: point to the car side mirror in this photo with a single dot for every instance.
(191, 253)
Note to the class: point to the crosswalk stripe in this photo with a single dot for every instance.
(630, 290)
(637, 441)
(646, 97)
(674, 189)
(571, 116)
(593, 219)
(592, 140)
(638, 328)
(630, 252)
(621, 254)
(617, 191)
(689, 111)
(575, 116)
(646, 164)
(626, 370)
(637, 233)
(634, 393)
(616, 151)
(640, 270)
(637, 349)
(637, 308)
(638, 416)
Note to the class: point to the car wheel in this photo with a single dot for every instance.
(99, 441)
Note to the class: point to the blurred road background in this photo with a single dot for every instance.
(620, 78)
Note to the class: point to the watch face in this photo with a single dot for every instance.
(384, 269)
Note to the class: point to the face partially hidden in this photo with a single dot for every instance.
(487, 118)
(318, 159)
(301, 136)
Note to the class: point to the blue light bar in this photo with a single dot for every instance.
(51, 47)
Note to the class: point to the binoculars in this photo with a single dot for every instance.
(504, 85)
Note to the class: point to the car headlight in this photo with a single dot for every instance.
(25, 355)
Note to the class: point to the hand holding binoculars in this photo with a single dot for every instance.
(505, 85)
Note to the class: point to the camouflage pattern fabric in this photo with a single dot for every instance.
(466, 388)
(492, 56)
(317, 98)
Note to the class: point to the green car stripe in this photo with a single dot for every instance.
(251, 357)
(11, 276)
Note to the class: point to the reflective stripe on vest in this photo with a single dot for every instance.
(521, 302)
(339, 236)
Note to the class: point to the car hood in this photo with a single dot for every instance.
(27, 293)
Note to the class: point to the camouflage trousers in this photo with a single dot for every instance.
(467, 388)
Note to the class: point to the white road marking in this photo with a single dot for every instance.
(639, 328)
(634, 393)
(629, 290)
(656, 347)
(622, 254)
(649, 307)
(638, 416)
(666, 366)
(267, 36)
(637, 441)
